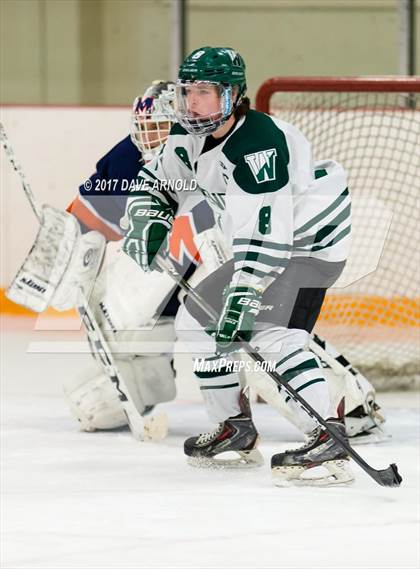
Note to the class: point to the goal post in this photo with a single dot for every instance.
(371, 125)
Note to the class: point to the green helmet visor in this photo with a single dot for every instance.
(203, 106)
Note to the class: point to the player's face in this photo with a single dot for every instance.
(202, 100)
(154, 134)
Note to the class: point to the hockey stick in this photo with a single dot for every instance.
(140, 428)
(387, 477)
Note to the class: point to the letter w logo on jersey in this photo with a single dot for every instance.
(263, 165)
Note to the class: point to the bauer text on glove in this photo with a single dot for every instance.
(240, 308)
(150, 220)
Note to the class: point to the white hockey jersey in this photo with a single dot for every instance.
(270, 199)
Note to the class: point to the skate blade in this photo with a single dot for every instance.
(246, 459)
(338, 473)
(155, 428)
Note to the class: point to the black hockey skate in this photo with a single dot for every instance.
(320, 462)
(236, 434)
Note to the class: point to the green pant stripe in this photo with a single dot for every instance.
(210, 374)
(300, 368)
(278, 364)
(318, 380)
(204, 387)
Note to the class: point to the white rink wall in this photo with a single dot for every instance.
(57, 148)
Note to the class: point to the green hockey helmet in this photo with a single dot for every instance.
(220, 69)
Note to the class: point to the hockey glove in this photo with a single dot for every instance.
(149, 222)
(241, 307)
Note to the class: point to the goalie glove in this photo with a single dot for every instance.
(149, 220)
(241, 307)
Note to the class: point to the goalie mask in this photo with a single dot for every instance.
(152, 118)
(211, 84)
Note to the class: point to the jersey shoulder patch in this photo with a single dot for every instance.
(258, 148)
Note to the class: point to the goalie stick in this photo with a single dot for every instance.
(152, 428)
(387, 477)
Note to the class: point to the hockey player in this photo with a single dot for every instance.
(91, 396)
(287, 220)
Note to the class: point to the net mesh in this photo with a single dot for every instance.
(372, 313)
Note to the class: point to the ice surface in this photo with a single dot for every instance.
(101, 500)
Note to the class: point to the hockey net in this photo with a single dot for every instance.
(372, 127)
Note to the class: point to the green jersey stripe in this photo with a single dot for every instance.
(320, 246)
(324, 213)
(261, 251)
(262, 244)
(260, 258)
(336, 239)
(320, 173)
(325, 231)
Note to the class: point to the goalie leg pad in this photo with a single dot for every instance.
(150, 378)
(94, 401)
(363, 416)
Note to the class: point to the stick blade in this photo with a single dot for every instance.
(389, 477)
